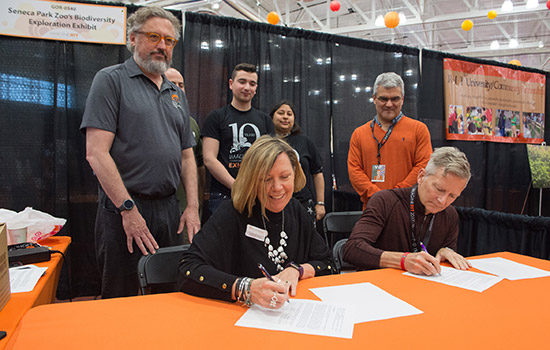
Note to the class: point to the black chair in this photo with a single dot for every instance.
(339, 264)
(338, 225)
(159, 272)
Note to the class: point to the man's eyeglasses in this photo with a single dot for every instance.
(155, 38)
(384, 99)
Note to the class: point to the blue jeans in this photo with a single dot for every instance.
(216, 199)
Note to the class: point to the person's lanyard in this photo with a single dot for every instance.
(388, 133)
(428, 234)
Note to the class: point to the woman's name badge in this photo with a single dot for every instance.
(255, 232)
(378, 173)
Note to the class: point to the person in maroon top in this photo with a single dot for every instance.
(414, 228)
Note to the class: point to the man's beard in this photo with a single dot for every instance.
(152, 66)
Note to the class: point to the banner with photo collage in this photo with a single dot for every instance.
(490, 103)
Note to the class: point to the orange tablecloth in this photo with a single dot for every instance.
(43, 292)
(509, 315)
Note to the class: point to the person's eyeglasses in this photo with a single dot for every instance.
(384, 99)
(155, 38)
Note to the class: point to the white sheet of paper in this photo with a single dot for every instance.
(463, 279)
(369, 302)
(24, 278)
(302, 316)
(508, 269)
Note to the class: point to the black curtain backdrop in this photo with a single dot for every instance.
(483, 232)
(44, 85)
(328, 78)
(293, 64)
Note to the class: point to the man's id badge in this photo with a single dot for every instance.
(255, 232)
(378, 173)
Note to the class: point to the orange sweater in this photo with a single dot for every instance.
(407, 150)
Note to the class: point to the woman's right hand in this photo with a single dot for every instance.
(269, 294)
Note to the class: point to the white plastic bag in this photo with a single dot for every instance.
(5, 214)
(39, 225)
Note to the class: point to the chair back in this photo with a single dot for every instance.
(338, 225)
(338, 252)
(159, 272)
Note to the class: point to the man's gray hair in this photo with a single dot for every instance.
(389, 80)
(138, 19)
(451, 160)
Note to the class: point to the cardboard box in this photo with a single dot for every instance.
(5, 292)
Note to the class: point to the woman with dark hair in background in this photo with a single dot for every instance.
(312, 196)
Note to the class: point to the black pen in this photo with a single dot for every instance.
(265, 273)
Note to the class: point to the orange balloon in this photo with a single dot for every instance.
(273, 17)
(391, 19)
(467, 25)
(516, 62)
(492, 14)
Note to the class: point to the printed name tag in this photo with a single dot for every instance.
(255, 232)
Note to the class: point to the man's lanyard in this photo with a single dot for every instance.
(388, 133)
(428, 234)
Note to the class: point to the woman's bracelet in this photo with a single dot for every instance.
(248, 302)
(242, 292)
(320, 203)
(238, 288)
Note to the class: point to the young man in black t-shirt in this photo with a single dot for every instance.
(229, 131)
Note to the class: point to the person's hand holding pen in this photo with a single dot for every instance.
(437, 267)
(268, 292)
(422, 263)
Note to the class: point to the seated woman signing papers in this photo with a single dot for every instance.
(262, 224)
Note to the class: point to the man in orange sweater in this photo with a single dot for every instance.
(396, 145)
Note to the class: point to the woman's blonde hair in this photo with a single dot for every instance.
(256, 164)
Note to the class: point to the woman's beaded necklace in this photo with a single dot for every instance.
(278, 256)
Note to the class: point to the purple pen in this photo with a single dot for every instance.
(426, 250)
(424, 247)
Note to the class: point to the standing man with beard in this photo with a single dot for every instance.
(139, 145)
(228, 132)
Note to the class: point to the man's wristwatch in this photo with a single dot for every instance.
(126, 205)
(297, 267)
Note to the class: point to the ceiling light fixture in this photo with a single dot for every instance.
(513, 44)
(531, 4)
(403, 18)
(215, 6)
(507, 6)
(495, 45)
(541, 44)
(379, 21)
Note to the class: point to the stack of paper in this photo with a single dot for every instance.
(24, 278)
(508, 269)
